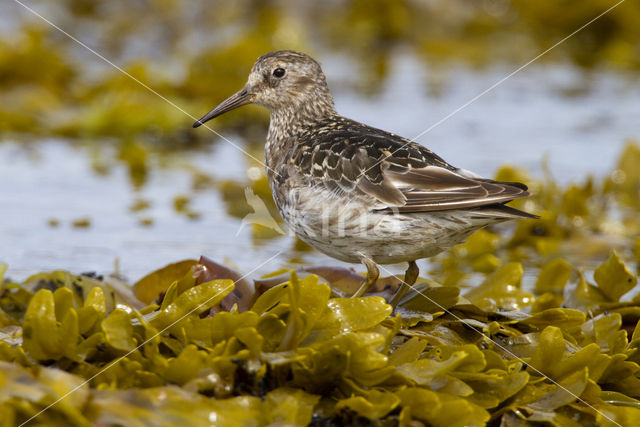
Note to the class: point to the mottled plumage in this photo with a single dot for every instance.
(355, 192)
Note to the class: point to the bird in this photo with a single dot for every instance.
(354, 192)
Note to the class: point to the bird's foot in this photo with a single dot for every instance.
(372, 277)
(410, 277)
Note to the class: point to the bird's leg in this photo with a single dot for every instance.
(410, 277)
(372, 277)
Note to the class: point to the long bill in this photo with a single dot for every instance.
(238, 99)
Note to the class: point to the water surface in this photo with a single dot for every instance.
(538, 113)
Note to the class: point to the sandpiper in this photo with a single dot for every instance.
(354, 192)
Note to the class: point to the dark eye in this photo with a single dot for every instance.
(278, 72)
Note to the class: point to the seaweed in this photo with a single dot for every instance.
(76, 351)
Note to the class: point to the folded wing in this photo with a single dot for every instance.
(394, 174)
(434, 188)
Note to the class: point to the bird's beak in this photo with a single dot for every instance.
(238, 99)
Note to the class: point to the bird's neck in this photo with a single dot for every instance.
(290, 121)
(287, 121)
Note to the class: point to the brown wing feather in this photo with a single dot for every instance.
(434, 189)
(392, 172)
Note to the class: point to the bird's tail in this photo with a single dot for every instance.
(503, 211)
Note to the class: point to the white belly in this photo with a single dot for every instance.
(349, 230)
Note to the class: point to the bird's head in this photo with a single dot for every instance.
(283, 80)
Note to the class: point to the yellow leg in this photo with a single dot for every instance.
(372, 277)
(410, 277)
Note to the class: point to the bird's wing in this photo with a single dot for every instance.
(397, 174)
(433, 188)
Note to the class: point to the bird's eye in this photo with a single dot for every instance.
(278, 72)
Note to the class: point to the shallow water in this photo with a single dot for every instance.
(520, 122)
